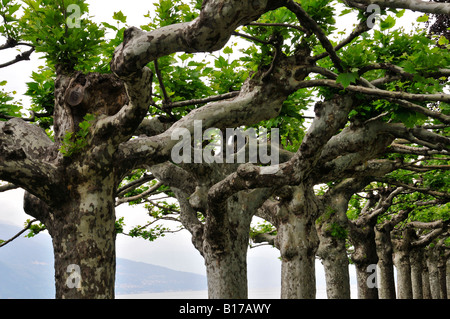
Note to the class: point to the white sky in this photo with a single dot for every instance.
(174, 251)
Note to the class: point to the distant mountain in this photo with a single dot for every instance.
(26, 271)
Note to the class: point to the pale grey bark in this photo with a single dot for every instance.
(433, 270)
(298, 242)
(402, 263)
(417, 261)
(448, 278)
(385, 263)
(426, 289)
(209, 32)
(332, 228)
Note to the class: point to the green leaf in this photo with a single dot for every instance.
(443, 40)
(387, 23)
(228, 50)
(346, 78)
(423, 18)
(119, 16)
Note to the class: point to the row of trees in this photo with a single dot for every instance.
(368, 179)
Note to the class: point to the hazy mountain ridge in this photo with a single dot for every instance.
(26, 271)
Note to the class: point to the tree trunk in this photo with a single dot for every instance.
(447, 276)
(402, 263)
(227, 274)
(386, 278)
(335, 261)
(298, 243)
(365, 259)
(432, 262)
(365, 280)
(426, 290)
(337, 275)
(442, 269)
(225, 250)
(83, 236)
(416, 272)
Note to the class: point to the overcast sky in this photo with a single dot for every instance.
(173, 251)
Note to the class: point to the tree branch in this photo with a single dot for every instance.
(210, 31)
(2, 244)
(25, 56)
(312, 25)
(26, 159)
(377, 92)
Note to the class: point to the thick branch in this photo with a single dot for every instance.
(208, 32)
(26, 155)
(127, 120)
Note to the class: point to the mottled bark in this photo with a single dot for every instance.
(432, 263)
(364, 255)
(335, 262)
(225, 251)
(402, 263)
(222, 239)
(210, 31)
(442, 269)
(83, 236)
(417, 260)
(426, 289)
(402, 249)
(332, 229)
(386, 278)
(298, 242)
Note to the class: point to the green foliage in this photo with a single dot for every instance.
(41, 91)
(75, 142)
(347, 78)
(10, 28)
(337, 231)
(34, 229)
(150, 234)
(119, 225)
(262, 227)
(6, 106)
(45, 25)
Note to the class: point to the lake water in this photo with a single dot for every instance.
(267, 293)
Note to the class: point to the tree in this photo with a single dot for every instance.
(107, 122)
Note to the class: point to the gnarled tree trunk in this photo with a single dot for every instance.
(298, 242)
(225, 251)
(386, 277)
(416, 257)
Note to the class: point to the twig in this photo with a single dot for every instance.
(284, 25)
(214, 98)
(312, 25)
(19, 233)
(20, 57)
(249, 37)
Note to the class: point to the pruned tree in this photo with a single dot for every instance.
(110, 119)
